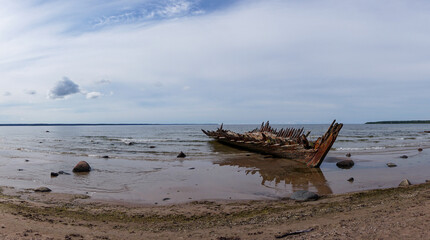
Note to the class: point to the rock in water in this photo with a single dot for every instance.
(54, 174)
(181, 155)
(391, 164)
(82, 166)
(404, 156)
(420, 149)
(42, 189)
(351, 179)
(348, 155)
(304, 195)
(345, 164)
(404, 183)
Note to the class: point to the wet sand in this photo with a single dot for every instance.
(395, 213)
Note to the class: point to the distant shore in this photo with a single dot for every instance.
(401, 122)
(394, 213)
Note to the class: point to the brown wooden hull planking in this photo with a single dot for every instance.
(290, 143)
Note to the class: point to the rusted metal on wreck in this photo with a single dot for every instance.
(289, 143)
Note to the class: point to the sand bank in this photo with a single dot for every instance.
(395, 213)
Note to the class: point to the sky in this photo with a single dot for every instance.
(213, 61)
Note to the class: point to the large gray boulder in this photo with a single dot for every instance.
(304, 195)
(82, 166)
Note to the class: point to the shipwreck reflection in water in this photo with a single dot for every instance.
(275, 170)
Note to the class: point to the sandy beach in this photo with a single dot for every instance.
(394, 213)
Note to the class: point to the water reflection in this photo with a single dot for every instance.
(274, 171)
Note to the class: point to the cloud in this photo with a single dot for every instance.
(63, 89)
(103, 81)
(7, 94)
(93, 95)
(31, 92)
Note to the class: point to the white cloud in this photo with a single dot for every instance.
(31, 92)
(63, 89)
(93, 95)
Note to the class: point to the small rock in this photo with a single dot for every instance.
(130, 143)
(82, 166)
(26, 160)
(405, 182)
(105, 156)
(420, 149)
(348, 155)
(151, 146)
(63, 172)
(304, 195)
(404, 156)
(166, 199)
(47, 131)
(351, 179)
(345, 164)
(42, 189)
(20, 170)
(391, 164)
(54, 174)
(181, 155)
(191, 168)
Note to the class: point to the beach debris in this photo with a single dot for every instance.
(54, 174)
(348, 155)
(294, 233)
(303, 196)
(82, 166)
(351, 179)
(404, 156)
(181, 155)
(405, 182)
(42, 189)
(391, 164)
(345, 164)
(420, 149)
(286, 143)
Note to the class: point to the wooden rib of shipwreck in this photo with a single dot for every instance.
(289, 143)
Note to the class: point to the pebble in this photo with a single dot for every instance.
(391, 164)
(304, 195)
(42, 189)
(405, 182)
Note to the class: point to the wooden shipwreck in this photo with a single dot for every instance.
(290, 143)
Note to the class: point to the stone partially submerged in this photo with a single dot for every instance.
(82, 166)
(290, 143)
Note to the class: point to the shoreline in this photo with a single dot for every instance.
(392, 213)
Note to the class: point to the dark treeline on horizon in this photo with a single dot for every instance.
(401, 122)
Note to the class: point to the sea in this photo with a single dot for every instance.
(138, 163)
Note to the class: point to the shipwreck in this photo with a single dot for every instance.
(289, 143)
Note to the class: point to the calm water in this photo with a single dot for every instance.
(142, 166)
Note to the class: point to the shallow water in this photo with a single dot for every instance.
(142, 166)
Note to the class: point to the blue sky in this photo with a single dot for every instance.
(193, 61)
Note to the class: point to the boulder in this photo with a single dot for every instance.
(82, 166)
(345, 164)
(181, 155)
(303, 196)
(42, 189)
(391, 164)
(405, 182)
